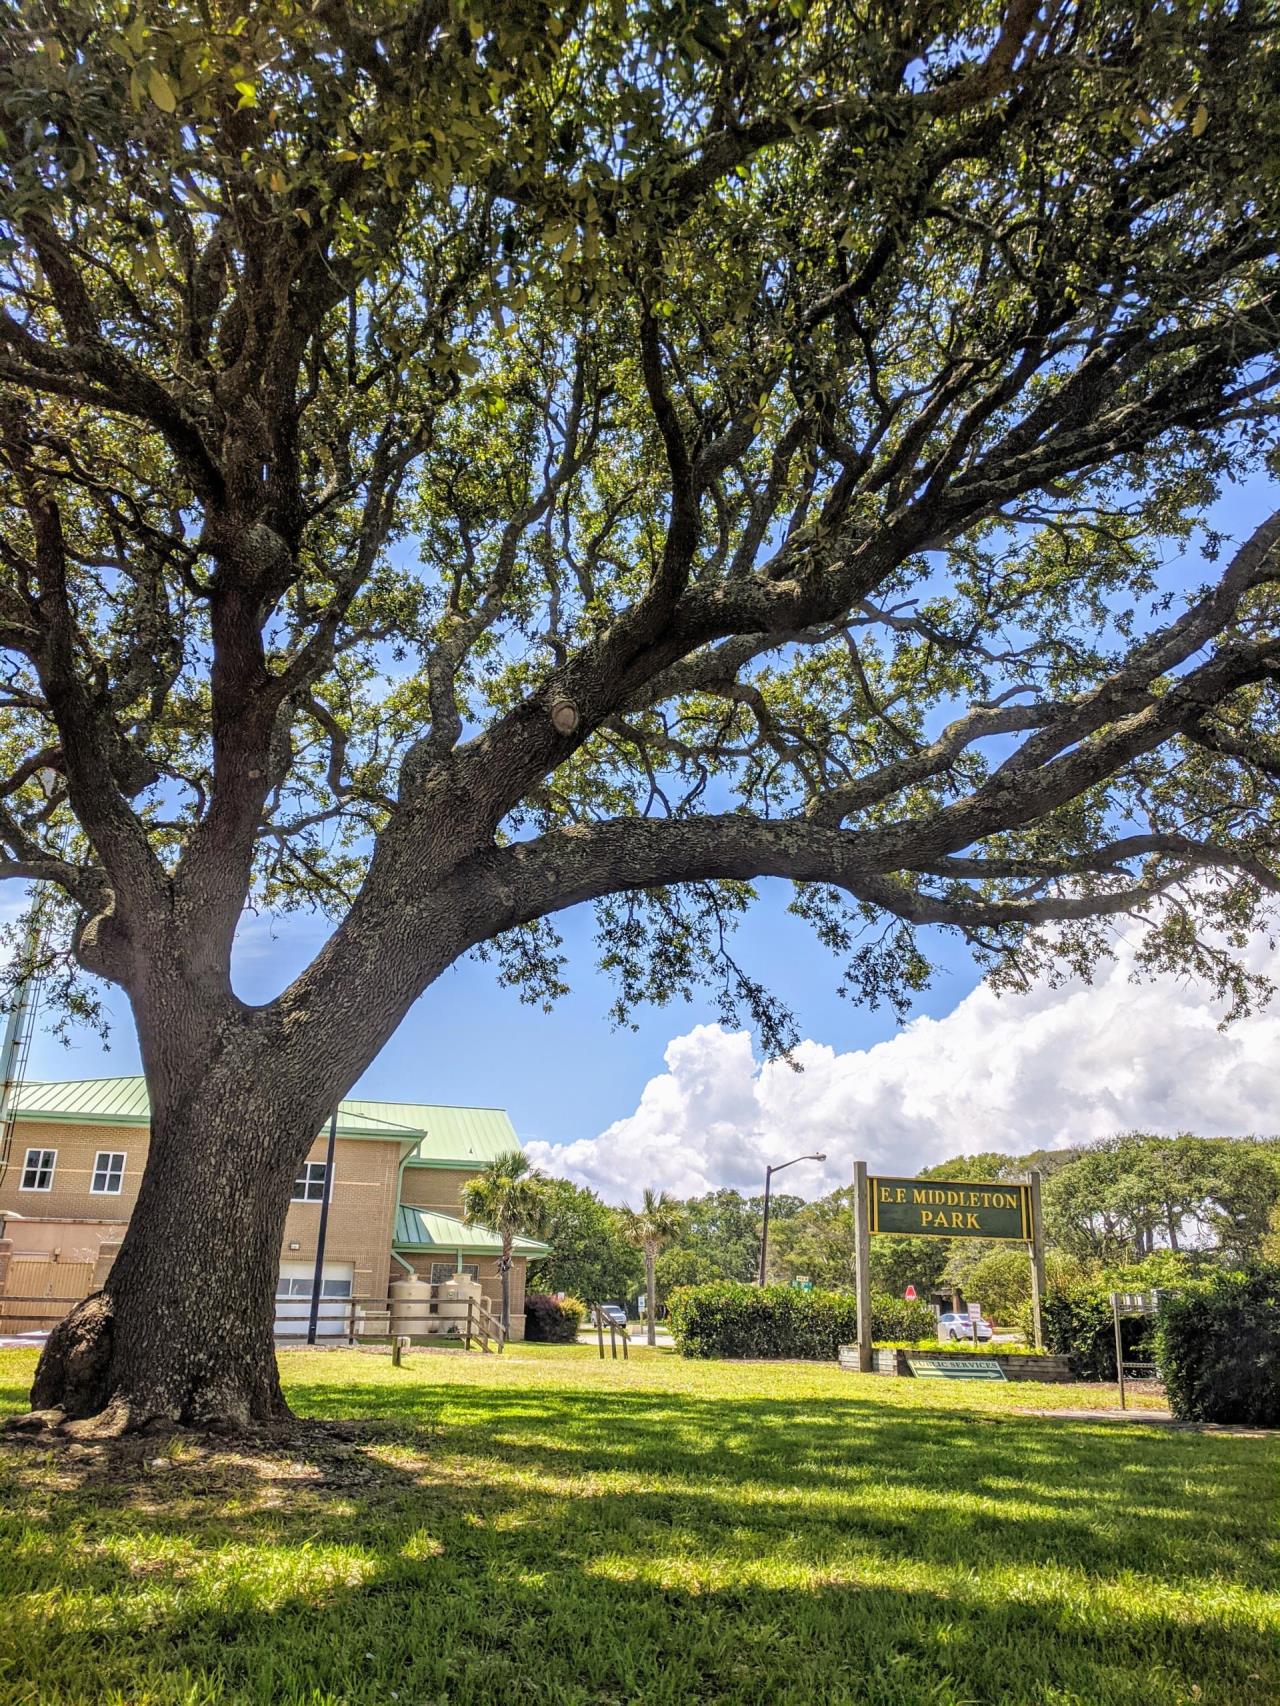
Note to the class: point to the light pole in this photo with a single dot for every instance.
(768, 1182)
(19, 1024)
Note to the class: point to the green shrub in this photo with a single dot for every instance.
(1218, 1345)
(731, 1320)
(548, 1321)
(1080, 1326)
(896, 1318)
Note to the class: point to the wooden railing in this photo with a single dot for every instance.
(482, 1324)
(615, 1333)
(353, 1319)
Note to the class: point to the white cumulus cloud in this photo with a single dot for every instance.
(1014, 1072)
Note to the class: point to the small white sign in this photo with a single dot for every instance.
(975, 1312)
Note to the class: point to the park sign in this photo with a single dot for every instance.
(942, 1208)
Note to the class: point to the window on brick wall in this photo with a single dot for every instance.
(443, 1272)
(37, 1169)
(108, 1173)
(309, 1184)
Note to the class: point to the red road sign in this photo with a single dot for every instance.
(910, 1294)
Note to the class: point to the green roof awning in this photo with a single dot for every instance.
(428, 1229)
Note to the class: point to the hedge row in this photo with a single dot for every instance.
(1218, 1345)
(1080, 1326)
(728, 1320)
(551, 1322)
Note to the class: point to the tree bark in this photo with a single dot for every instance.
(650, 1306)
(182, 1331)
(504, 1269)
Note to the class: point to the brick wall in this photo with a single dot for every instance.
(361, 1209)
(435, 1187)
(77, 1147)
(362, 1213)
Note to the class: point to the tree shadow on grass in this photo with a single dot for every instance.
(481, 1593)
(574, 1547)
(1098, 1493)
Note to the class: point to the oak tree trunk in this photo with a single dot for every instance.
(182, 1330)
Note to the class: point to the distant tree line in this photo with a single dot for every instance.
(1203, 1201)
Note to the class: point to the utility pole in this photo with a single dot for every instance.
(16, 1042)
(318, 1278)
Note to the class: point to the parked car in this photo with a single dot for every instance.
(615, 1315)
(952, 1327)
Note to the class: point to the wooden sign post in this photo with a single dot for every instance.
(1036, 1248)
(862, 1263)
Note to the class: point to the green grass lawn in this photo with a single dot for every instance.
(541, 1528)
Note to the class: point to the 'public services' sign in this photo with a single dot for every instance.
(938, 1208)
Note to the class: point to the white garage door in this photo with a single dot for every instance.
(293, 1301)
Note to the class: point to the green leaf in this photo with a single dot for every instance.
(161, 90)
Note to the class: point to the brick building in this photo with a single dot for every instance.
(74, 1161)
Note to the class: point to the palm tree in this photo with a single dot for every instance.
(507, 1198)
(659, 1222)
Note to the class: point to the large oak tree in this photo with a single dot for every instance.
(464, 459)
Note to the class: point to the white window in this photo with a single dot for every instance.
(309, 1184)
(302, 1288)
(37, 1169)
(108, 1173)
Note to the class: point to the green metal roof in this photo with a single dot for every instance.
(442, 1136)
(428, 1229)
(468, 1137)
(123, 1101)
(106, 1101)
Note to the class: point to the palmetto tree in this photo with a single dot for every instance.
(506, 1197)
(657, 1223)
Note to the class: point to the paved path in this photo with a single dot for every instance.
(1156, 1418)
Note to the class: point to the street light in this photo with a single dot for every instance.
(768, 1180)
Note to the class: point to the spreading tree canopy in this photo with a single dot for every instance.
(465, 459)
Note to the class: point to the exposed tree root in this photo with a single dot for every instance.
(81, 1390)
(73, 1374)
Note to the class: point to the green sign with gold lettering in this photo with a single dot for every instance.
(942, 1208)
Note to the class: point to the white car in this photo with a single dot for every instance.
(952, 1327)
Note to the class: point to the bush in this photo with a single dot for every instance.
(896, 1318)
(731, 1320)
(1218, 1345)
(551, 1322)
(1080, 1326)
